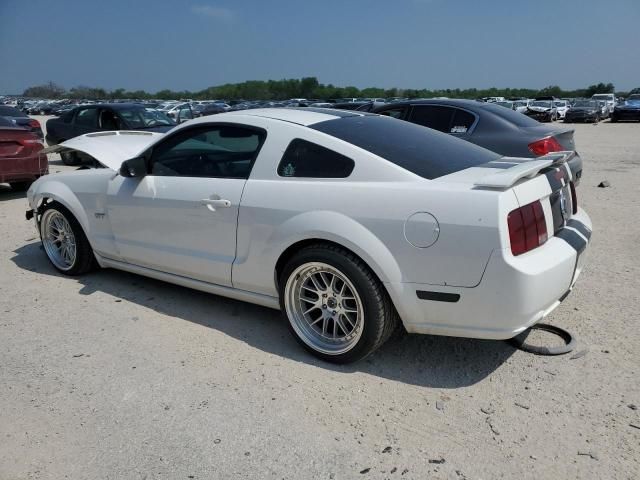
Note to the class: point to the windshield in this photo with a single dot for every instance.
(602, 96)
(560, 104)
(541, 103)
(585, 103)
(635, 97)
(145, 118)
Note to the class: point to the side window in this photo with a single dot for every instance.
(219, 151)
(393, 112)
(432, 116)
(308, 160)
(87, 117)
(462, 121)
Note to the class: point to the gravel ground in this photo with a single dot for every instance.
(114, 376)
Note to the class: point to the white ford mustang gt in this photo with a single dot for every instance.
(348, 222)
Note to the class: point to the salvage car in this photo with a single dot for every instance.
(584, 111)
(103, 117)
(488, 125)
(609, 100)
(21, 157)
(629, 110)
(542, 111)
(348, 222)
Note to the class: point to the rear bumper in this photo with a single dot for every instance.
(23, 169)
(514, 293)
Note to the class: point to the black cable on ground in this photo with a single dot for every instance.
(570, 341)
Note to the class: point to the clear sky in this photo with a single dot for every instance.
(183, 44)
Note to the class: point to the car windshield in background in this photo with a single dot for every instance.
(585, 103)
(145, 118)
(423, 151)
(560, 104)
(541, 103)
(635, 97)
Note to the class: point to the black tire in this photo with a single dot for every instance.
(596, 119)
(20, 186)
(85, 260)
(70, 158)
(613, 119)
(380, 318)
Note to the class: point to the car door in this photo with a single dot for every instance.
(85, 121)
(181, 217)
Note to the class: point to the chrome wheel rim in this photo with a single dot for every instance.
(324, 308)
(58, 239)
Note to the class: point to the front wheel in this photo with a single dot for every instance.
(70, 158)
(336, 307)
(64, 241)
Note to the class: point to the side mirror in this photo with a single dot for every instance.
(136, 167)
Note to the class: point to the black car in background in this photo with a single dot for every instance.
(583, 111)
(629, 110)
(21, 119)
(207, 109)
(491, 126)
(104, 117)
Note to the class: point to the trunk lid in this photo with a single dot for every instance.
(17, 143)
(546, 179)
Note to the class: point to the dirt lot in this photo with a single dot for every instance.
(114, 376)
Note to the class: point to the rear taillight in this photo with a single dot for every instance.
(29, 141)
(574, 198)
(33, 123)
(527, 228)
(544, 146)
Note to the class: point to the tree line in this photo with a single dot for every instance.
(307, 87)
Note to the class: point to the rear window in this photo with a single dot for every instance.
(423, 151)
(511, 116)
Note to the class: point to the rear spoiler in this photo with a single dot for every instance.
(529, 169)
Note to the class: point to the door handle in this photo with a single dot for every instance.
(212, 204)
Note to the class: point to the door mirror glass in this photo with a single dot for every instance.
(136, 167)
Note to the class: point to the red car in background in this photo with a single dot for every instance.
(21, 157)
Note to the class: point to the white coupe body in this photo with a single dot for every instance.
(441, 248)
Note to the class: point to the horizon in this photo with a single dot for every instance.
(153, 46)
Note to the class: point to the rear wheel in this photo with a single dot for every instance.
(336, 307)
(64, 241)
(596, 119)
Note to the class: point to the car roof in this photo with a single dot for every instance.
(299, 115)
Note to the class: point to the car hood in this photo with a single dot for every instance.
(539, 109)
(631, 105)
(109, 148)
